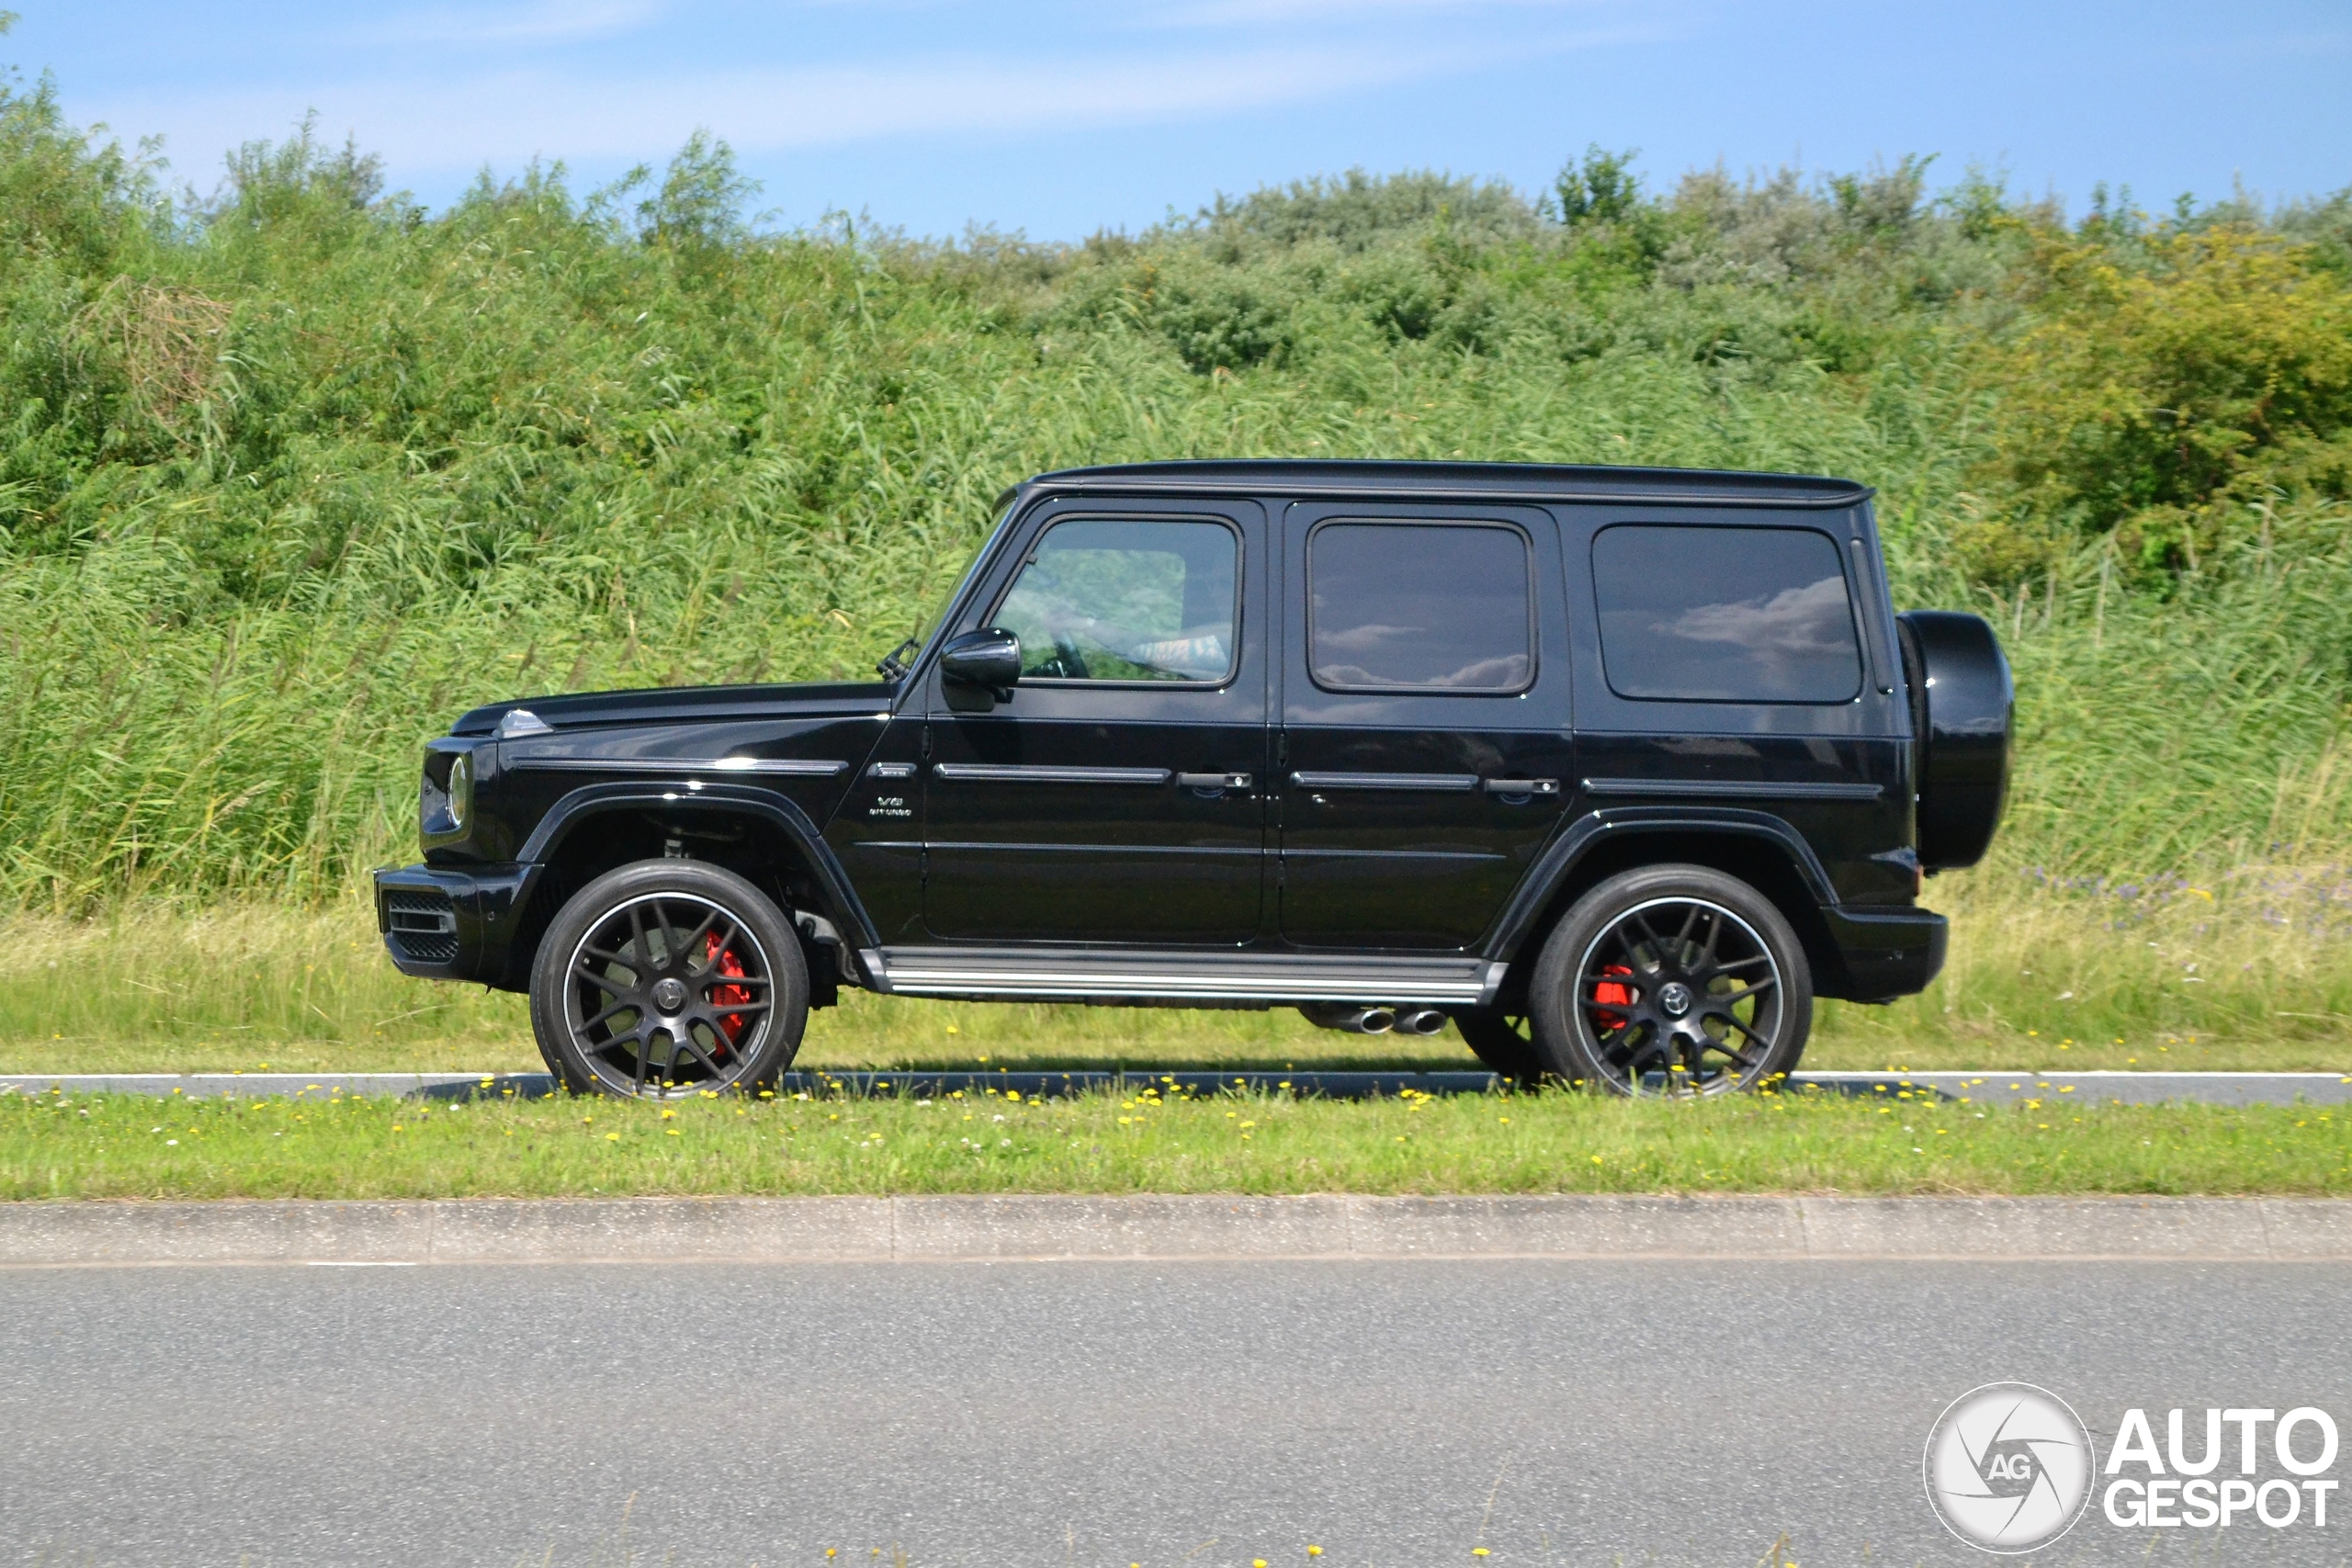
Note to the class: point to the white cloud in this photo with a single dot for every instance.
(437, 123)
(1243, 13)
(547, 21)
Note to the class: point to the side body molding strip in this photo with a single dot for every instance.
(1447, 784)
(781, 767)
(1731, 789)
(1014, 773)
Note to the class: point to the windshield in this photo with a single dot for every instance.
(938, 593)
(941, 591)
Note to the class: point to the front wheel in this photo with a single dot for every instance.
(1672, 980)
(668, 978)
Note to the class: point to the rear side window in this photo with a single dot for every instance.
(1419, 607)
(1695, 614)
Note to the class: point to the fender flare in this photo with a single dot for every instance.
(1587, 833)
(591, 801)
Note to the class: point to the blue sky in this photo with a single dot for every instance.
(1058, 118)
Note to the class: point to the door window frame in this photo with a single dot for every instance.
(1846, 574)
(1533, 621)
(1028, 557)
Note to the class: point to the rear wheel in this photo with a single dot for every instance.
(1672, 980)
(668, 978)
(1502, 1040)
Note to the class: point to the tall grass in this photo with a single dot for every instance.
(290, 475)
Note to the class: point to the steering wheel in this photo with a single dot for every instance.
(1071, 663)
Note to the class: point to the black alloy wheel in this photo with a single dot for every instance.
(668, 978)
(1673, 981)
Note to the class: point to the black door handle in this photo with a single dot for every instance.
(1523, 789)
(1216, 783)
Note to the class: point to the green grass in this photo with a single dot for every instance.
(138, 1147)
(291, 476)
(2252, 973)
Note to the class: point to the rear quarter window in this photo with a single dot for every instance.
(1693, 612)
(1442, 607)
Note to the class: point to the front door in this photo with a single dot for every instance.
(1117, 798)
(1425, 746)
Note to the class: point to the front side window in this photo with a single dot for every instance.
(1438, 607)
(1152, 601)
(1695, 614)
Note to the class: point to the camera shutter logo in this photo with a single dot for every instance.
(2009, 1467)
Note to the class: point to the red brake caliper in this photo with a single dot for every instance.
(1608, 992)
(723, 996)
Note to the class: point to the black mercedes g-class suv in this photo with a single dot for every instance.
(1615, 769)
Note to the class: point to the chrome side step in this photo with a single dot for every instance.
(1049, 974)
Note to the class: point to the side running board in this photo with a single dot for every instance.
(1449, 981)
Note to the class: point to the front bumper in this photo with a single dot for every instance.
(440, 924)
(1886, 954)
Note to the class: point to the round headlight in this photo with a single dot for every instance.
(462, 790)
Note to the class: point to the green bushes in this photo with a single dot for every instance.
(2161, 390)
(290, 476)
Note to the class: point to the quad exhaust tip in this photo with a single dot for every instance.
(1355, 1019)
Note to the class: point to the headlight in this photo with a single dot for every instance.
(446, 795)
(461, 791)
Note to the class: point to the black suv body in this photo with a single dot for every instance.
(1615, 768)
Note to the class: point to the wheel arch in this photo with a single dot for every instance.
(761, 836)
(1758, 848)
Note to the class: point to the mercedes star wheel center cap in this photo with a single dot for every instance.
(1675, 998)
(669, 995)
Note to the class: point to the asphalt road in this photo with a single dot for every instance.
(1395, 1414)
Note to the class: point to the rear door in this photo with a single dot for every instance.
(1425, 747)
(1117, 796)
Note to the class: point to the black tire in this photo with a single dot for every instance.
(1673, 980)
(1502, 1041)
(667, 978)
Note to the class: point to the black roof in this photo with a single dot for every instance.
(1549, 481)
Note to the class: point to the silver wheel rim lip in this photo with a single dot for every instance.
(1722, 1083)
(744, 1049)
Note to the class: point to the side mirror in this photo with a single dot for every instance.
(988, 659)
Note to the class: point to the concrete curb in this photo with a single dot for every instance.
(1025, 1229)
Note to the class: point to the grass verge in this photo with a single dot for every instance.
(2250, 968)
(333, 1146)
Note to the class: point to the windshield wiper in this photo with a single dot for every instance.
(893, 666)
